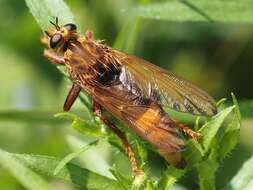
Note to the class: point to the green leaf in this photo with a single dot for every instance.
(237, 109)
(46, 10)
(194, 152)
(198, 10)
(205, 161)
(123, 181)
(24, 175)
(143, 155)
(232, 130)
(185, 117)
(73, 155)
(220, 102)
(96, 158)
(206, 173)
(70, 172)
(140, 182)
(89, 127)
(210, 129)
(243, 180)
(220, 145)
(169, 177)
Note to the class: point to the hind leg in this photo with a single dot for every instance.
(194, 135)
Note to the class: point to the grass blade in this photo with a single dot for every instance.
(23, 174)
(127, 37)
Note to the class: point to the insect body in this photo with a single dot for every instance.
(132, 89)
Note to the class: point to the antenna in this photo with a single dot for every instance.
(55, 24)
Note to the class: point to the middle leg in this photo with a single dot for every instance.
(97, 108)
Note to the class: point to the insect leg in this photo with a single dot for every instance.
(194, 135)
(97, 108)
(51, 55)
(72, 95)
(44, 40)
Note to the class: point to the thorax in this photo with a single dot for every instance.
(91, 63)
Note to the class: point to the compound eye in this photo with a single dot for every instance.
(55, 40)
(70, 27)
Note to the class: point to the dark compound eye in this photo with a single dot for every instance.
(55, 40)
(70, 27)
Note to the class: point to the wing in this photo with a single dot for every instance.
(146, 119)
(167, 89)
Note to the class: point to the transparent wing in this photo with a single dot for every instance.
(164, 87)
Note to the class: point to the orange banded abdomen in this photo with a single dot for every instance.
(157, 128)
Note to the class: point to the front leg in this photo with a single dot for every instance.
(97, 109)
(54, 57)
(72, 96)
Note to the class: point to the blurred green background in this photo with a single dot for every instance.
(217, 57)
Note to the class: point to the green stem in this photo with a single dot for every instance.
(206, 173)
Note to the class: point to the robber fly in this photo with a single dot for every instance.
(132, 89)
